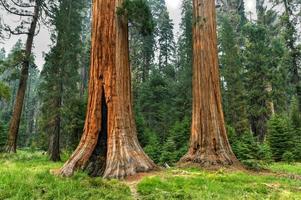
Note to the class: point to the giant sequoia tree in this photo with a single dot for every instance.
(209, 146)
(109, 145)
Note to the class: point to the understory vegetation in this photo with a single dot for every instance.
(27, 176)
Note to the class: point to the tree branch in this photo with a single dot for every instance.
(6, 7)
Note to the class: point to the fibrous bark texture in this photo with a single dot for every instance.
(109, 145)
(54, 136)
(209, 146)
(11, 145)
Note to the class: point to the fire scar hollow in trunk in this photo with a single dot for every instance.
(109, 146)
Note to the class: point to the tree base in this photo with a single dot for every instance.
(10, 149)
(118, 170)
(210, 161)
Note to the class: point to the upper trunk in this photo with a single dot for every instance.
(209, 146)
(110, 92)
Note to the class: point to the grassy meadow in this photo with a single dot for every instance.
(26, 175)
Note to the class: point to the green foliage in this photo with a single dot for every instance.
(234, 92)
(4, 92)
(153, 147)
(139, 15)
(252, 154)
(279, 136)
(257, 57)
(288, 157)
(59, 92)
(295, 114)
(74, 120)
(173, 148)
(3, 134)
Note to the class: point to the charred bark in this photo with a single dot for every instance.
(209, 146)
(109, 102)
(11, 146)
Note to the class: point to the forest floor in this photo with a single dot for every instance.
(26, 175)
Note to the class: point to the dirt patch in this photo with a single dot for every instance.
(133, 181)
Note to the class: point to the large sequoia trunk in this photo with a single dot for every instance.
(209, 146)
(109, 145)
(11, 145)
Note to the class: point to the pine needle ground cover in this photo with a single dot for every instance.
(26, 175)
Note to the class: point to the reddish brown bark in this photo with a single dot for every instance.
(209, 146)
(11, 145)
(109, 145)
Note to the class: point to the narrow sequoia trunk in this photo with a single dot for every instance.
(54, 141)
(209, 146)
(109, 145)
(54, 137)
(11, 146)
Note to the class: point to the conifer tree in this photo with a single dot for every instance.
(233, 73)
(61, 74)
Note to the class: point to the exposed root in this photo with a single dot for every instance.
(121, 170)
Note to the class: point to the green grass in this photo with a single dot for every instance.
(26, 176)
(192, 184)
(294, 168)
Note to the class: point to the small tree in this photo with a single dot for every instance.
(279, 136)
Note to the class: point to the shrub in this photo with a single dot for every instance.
(288, 157)
(280, 136)
(169, 152)
(153, 147)
(253, 155)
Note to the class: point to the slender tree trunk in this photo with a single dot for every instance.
(54, 141)
(109, 145)
(11, 146)
(209, 146)
(54, 137)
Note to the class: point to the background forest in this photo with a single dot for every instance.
(260, 63)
